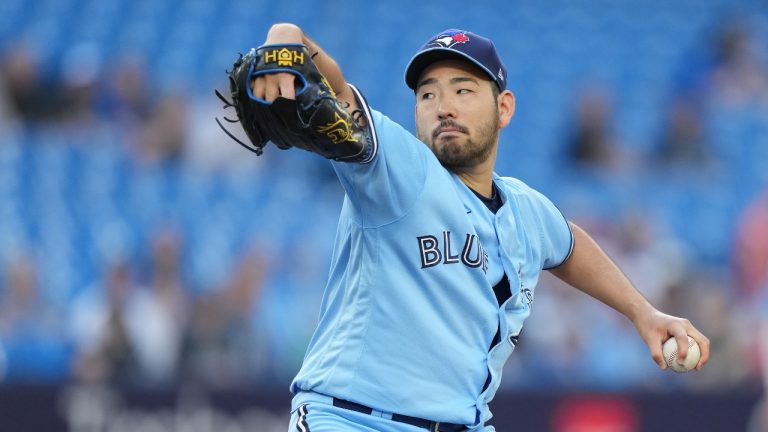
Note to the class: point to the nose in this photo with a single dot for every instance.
(446, 108)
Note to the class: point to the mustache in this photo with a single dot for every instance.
(445, 124)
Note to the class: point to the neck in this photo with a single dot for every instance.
(482, 185)
(480, 177)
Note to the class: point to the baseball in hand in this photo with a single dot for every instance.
(669, 349)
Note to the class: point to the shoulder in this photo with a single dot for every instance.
(377, 119)
(386, 128)
(516, 187)
(544, 224)
(525, 197)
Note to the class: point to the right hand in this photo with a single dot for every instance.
(271, 86)
(656, 327)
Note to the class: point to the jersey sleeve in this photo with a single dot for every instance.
(549, 225)
(557, 237)
(388, 183)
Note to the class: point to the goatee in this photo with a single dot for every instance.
(458, 153)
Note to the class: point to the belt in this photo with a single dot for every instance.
(413, 421)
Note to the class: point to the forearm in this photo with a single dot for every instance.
(591, 271)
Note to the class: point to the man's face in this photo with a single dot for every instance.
(457, 113)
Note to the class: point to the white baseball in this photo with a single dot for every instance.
(669, 349)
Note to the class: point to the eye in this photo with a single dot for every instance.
(426, 96)
(463, 91)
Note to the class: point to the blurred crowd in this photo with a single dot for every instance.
(725, 298)
(145, 320)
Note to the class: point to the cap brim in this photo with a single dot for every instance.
(424, 58)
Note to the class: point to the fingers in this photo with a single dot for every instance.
(703, 342)
(700, 339)
(656, 354)
(681, 337)
(286, 86)
(657, 328)
(272, 88)
(680, 332)
(659, 359)
(269, 87)
(258, 87)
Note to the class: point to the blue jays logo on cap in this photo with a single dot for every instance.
(450, 39)
(460, 44)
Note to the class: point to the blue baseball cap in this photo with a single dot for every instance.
(459, 44)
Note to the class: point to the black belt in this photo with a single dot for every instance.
(413, 421)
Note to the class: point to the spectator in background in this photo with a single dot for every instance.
(105, 352)
(206, 151)
(126, 95)
(294, 287)
(163, 138)
(550, 351)
(759, 418)
(703, 294)
(683, 143)
(655, 259)
(750, 270)
(26, 96)
(593, 144)
(30, 328)
(754, 276)
(80, 85)
(750, 250)
(222, 349)
(157, 314)
(729, 71)
(129, 333)
(738, 76)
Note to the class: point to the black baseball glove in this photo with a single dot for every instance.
(315, 121)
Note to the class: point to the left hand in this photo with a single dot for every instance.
(273, 85)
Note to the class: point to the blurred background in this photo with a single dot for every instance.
(155, 276)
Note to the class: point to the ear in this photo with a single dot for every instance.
(506, 102)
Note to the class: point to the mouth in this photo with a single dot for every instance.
(449, 129)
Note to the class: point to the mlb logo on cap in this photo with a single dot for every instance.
(460, 44)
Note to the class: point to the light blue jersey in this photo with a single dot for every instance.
(409, 312)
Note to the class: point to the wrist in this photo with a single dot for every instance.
(284, 33)
(638, 311)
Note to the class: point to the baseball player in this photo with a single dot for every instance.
(436, 257)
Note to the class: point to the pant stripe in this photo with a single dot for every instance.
(301, 423)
